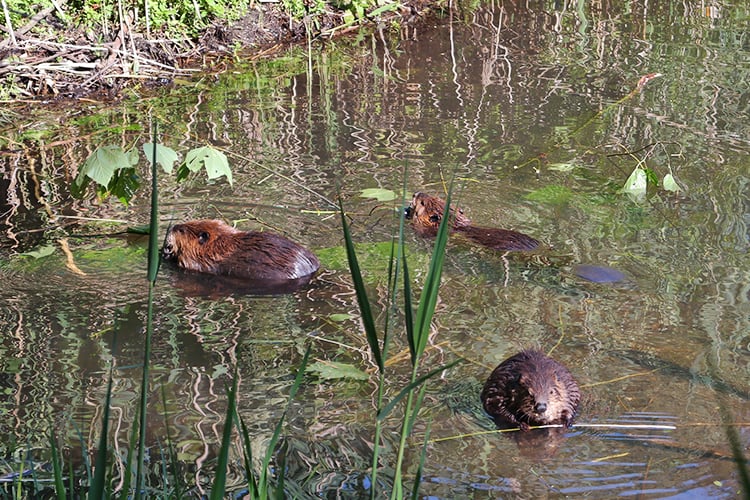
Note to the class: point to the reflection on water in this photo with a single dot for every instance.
(533, 109)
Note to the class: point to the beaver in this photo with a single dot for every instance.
(426, 212)
(531, 388)
(211, 246)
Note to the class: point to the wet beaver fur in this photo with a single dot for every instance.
(427, 211)
(211, 246)
(531, 388)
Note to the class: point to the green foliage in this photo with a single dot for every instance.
(213, 161)
(372, 256)
(378, 193)
(113, 172)
(172, 18)
(417, 332)
(551, 194)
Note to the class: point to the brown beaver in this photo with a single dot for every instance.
(211, 246)
(427, 211)
(531, 388)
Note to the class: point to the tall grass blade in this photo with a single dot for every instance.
(57, 467)
(428, 299)
(414, 384)
(280, 482)
(263, 481)
(408, 309)
(418, 339)
(252, 484)
(359, 286)
(153, 237)
(220, 479)
(420, 467)
(96, 491)
(171, 449)
(153, 268)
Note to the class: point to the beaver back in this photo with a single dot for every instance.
(531, 388)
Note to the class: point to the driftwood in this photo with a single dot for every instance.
(45, 67)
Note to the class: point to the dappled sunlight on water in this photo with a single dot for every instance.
(535, 114)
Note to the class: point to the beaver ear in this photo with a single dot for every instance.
(434, 218)
(203, 237)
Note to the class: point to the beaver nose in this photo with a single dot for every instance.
(540, 407)
(408, 212)
(167, 250)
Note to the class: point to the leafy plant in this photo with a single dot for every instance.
(417, 332)
(112, 169)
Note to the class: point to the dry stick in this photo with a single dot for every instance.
(32, 22)
(69, 259)
(9, 25)
(618, 379)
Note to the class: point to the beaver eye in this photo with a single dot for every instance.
(203, 237)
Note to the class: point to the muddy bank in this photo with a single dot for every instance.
(49, 58)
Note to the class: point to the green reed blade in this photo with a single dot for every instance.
(153, 237)
(420, 466)
(359, 286)
(171, 449)
(280, 482)
(100, 468)
(57, 467)
(247, 452)
(415, 383)
(263, 481)
(220, 479)
(408, 309)
(428, 299)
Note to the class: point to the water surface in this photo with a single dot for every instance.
(536, 113)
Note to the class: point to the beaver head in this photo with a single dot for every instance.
(531, 388)
(196, 245)
(427, 211)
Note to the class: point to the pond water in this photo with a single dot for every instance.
(535, 112)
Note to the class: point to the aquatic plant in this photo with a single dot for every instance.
(417, 329)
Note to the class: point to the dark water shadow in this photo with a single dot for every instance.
(192, 284)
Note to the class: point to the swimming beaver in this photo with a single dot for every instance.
(427, 211)
(531, 388)
(211, 246)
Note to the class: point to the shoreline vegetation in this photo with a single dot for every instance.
(75, 49)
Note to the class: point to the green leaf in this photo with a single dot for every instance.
(378, 193)
(214, 161)
(124, 185)
(165, 156)
(385, 8)
(552, 195)
(103, 163)
(636, 183)
(40, 252)
(329, 370)
(415, 383)
(368, 321)
(670, 184)
(338, 318)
